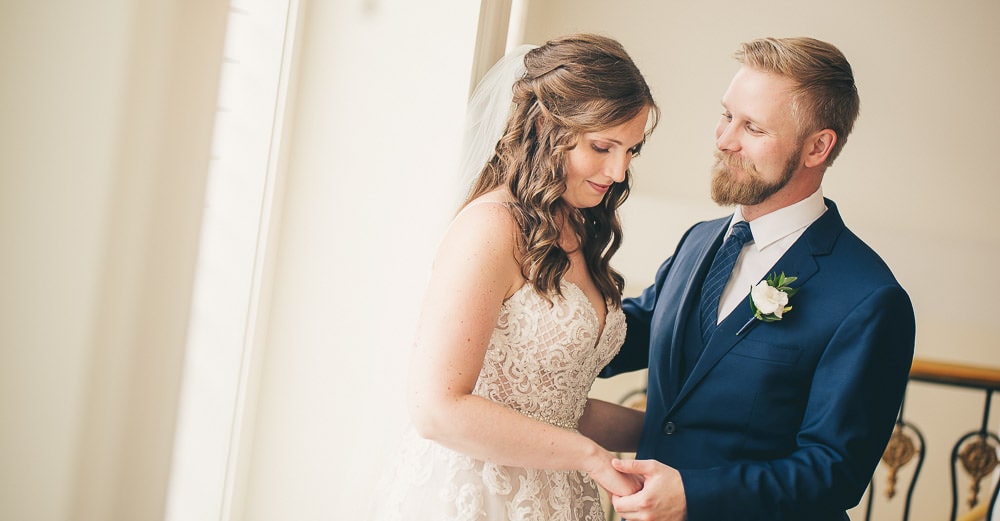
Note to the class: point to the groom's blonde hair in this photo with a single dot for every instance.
(824, 96)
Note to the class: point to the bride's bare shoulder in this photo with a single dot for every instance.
(482, 238)
(490, 210)
(484, 222)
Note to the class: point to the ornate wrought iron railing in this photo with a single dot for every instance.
(973, 456)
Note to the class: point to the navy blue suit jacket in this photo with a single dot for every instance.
(787, 420)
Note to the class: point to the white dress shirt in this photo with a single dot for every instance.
(773, 235)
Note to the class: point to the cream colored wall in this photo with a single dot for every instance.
(918, 179)
(107, 111)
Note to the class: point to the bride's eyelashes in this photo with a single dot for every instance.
(604, 150)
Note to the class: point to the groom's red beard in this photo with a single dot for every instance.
(727, 190)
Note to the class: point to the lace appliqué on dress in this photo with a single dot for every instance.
(541, 362)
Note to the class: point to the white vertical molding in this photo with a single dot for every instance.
(491, 38)
(232, 264)
(518, 19)
(367, 194)
(241, 440)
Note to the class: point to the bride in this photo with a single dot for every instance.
(522, 309)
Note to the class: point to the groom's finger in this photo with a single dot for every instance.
(626, 504)
(642, 467)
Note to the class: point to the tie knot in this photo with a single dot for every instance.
(741, 232)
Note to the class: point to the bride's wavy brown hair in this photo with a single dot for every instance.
(572, 85)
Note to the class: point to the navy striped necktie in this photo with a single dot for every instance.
(718, 276)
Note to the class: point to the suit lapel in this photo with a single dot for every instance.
(799, 261)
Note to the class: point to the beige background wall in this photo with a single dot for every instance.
(104, 140)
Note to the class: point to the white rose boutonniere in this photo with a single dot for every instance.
(769, 299)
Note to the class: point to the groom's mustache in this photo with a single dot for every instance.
(725, 162)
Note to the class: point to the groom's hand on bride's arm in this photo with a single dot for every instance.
(661, 497)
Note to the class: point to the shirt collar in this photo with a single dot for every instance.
(770, 228)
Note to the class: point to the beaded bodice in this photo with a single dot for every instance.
(542, 359)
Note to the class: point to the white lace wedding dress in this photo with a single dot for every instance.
(542, 362)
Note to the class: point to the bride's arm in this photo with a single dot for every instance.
(474, 272)
(615, 427)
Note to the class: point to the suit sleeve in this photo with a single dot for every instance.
(853, 402)
(639, 311)
(634, 353)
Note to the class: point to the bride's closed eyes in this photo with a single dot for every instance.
(605, 149)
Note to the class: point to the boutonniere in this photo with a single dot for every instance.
(769, 299)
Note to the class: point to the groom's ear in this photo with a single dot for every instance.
(818, 146)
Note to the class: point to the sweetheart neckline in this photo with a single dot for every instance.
(590, 306)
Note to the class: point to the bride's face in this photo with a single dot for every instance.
(600, 159)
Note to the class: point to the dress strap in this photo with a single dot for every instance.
(478, 203)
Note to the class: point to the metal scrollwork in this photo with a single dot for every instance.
(898, 452)
(979, 459)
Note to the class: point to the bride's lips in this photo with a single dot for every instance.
(599, 187)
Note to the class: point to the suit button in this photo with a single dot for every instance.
(669, 428)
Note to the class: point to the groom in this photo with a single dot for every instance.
(783, 418)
